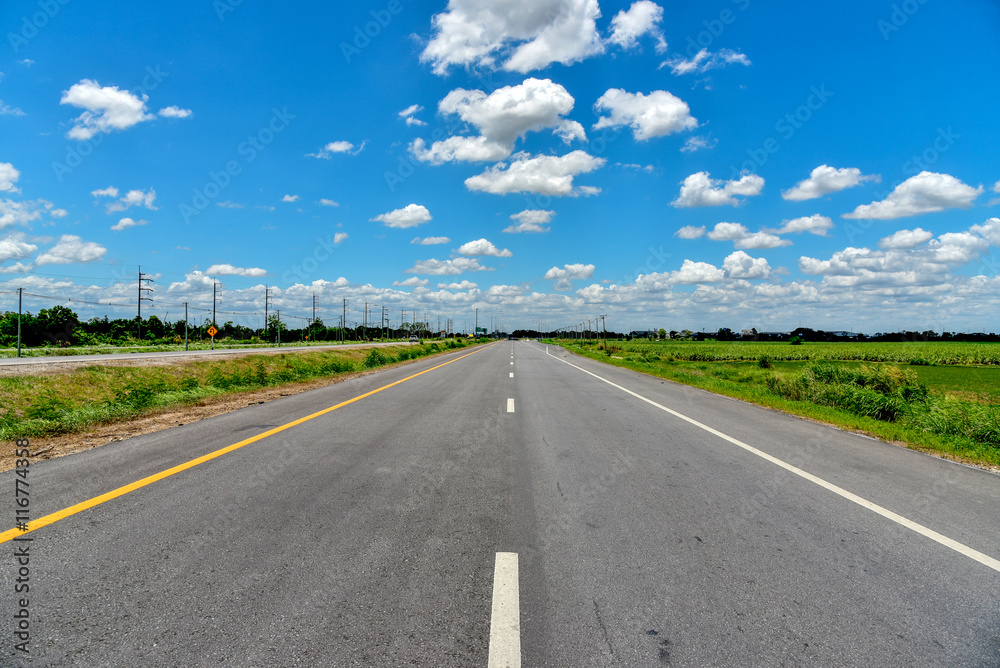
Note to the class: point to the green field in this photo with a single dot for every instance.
(936, 396)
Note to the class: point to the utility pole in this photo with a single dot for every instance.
(385, 321)
(314, 311)
(214, 286)
(185, 325)
(364, 324)
(279, 329)
(20, 297)
(142, 289)
(477, 323)
(267, 298)
(343, 322)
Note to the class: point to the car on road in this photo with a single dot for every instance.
(414, 338)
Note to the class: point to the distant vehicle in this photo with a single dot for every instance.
(414, 338)
(513, 338)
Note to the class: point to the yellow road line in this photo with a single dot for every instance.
(149, 480)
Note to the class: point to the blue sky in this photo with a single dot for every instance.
(678, 165)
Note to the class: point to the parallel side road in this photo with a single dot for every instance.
(372, 534)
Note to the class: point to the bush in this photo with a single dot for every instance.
(764, 362)
(375, 358)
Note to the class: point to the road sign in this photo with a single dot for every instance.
(212, 331)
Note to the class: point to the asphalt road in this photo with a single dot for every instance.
(98, 358)
(369, 535)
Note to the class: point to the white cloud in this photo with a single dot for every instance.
(229, 205)
(704, 61)
(335, 147)
(340, 237)
(412, 282)
(126, 223)
(927, 192)
(530, 221)
(71, 248)
(501, 118)
(525, 34)
(464, 285)
(17, 213)
(175, 112)
(290, 198)
(18, 268)
(407, 115)
(446, 267)
(690, 232)
(545, 175)
(572, 272)
(328, 202)
(230, 270)
(990, 230)
(906, 239)
(815, 224)
(107, 109)
(7, 110)
(482, 247)
(655, 115)
(132, 198)
(410, 215)
(14, 247)
(643, 17)
(110, 191)
(8, 177)
(825, 180)
(700, 189)
(744, 238)
(697, 143)
(739, 265)
(692, 273)
(431, 241)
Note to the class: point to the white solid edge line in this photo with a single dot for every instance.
(511, 374)
(510, 405)
(965, 550)
(505, 620)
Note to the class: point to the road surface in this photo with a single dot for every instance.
(517, 503)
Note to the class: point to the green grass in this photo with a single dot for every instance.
(953, 409)
(39, 406)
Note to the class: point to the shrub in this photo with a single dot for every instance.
(374, 359)
(764, 362)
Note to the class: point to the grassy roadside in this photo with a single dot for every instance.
(51, 405)
(931, 410)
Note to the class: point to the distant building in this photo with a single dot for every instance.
(844, 335)
(644, 334)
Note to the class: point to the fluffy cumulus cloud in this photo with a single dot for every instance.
(990, 230)
(744, 238)
(408, 115)
(464, 285)
(446, 267)
(906, 239)
(739, 265)
(704, 61)
(530, 221)
(482, 247)
(516, 35)
(140, 198)
(690, 232)
(410, 215)
(328, 202)
(927, 192)
(642, 18)
(412, 282)
(565, 275)
(692, 273)
(544, 175)
(15, 247)
(815, 224)
(8, 177)
(340, 237)
(700, 189)
(175, 112)
(106, 109)
(230, 270)
(126, 223)
(431, 241)
(336, 147)
(71, 249)
(655, 115)
(290, 198)
(825, 180)
(501, 118)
